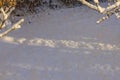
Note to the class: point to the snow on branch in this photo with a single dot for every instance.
(4, 15)
(108, 11)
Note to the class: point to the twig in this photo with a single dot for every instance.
(5, 15)
(14, 27)
(108, 11)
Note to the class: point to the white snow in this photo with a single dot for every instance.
(64, 44)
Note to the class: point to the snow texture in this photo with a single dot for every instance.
(64, 44)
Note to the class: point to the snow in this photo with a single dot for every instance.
(64, 44)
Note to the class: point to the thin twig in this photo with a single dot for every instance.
(14, 27)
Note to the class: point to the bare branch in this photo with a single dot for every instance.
(108, 11)
(5, 13)
(14, 27)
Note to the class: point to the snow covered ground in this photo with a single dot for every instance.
(63, 44)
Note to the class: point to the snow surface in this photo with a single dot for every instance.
(63, 44)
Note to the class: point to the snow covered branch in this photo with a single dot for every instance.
(108, 11)
(4, 15)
